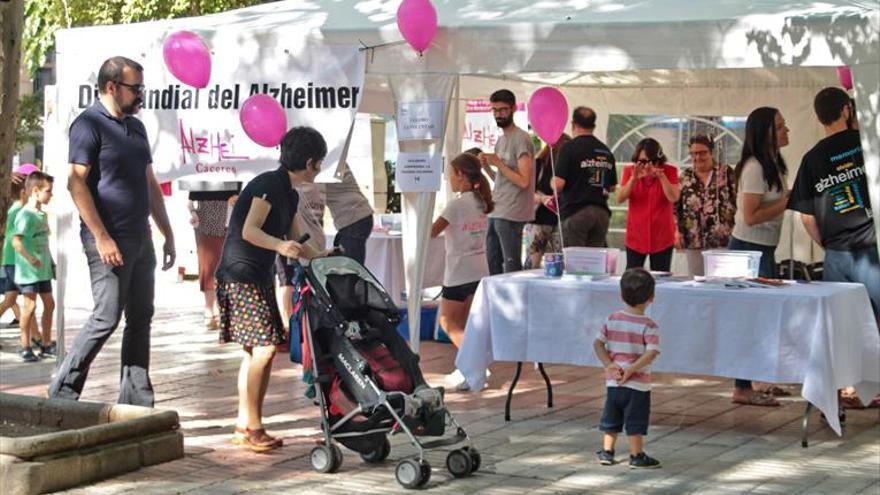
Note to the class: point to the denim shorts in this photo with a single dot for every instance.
(36, 288)
(625, 407)
(8, 283)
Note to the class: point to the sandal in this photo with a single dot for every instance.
(256, 440)
(757, 399)
(212, 322)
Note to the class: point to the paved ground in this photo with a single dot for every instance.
(706, 443)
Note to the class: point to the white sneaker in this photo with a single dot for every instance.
(456, 381)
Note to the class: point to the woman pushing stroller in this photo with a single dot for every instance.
(263, 224)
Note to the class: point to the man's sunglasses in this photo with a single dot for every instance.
(137, 88)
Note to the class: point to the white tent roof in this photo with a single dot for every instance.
(516, 36)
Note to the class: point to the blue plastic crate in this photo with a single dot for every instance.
(426, 323)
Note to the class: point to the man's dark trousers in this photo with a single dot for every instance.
(129, 288)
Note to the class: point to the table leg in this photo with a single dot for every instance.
(510, 390)
(549, 386)
(805, 425)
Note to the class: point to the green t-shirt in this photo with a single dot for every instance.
(33, 227)
(8, 250)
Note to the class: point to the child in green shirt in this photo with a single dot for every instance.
(10, 290)
(33, 263)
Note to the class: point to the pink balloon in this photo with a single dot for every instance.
(548, 114)
(263, 120)
(26, 169)
(845, 77)
(188, 58)
(417, 22)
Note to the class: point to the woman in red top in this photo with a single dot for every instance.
(651, 187)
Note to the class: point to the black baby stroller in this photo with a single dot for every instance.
(368, 381)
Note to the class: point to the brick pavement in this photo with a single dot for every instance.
(706, 443)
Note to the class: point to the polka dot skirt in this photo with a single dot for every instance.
(249, 315)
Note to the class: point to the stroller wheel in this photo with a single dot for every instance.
(412, 473)
(326, 459)
(459, 463)
(378, 455)
(476, 458)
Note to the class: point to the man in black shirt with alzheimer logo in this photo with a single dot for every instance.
(584, 176)
(831, 193)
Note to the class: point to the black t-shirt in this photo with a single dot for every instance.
(117, 152)
(587, 166)
(242, 261)
(211, 195)
(832, 186)
(543, 216)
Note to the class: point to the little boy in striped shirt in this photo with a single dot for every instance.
(628, 343)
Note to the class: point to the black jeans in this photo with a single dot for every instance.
(587, 227)
(353, 238)
(660, 261)
(129, 288)
(504, 246)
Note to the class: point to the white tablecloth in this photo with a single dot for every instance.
(384, 259)
(822, 335)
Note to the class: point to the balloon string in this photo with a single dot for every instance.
(556, 199)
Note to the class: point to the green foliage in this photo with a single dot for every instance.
(30, 121)
(44, 17)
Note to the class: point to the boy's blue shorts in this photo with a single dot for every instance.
(7, 283)
(36, 288)
(625, 407)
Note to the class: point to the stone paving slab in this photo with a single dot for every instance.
(706, 443)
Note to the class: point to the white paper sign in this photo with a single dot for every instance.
(418, 172)
(420, 119)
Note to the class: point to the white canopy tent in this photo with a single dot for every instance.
(686, 57)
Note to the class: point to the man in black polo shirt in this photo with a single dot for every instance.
(113, 186)
(584, 176)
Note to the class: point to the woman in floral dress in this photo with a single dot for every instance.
(707, 207)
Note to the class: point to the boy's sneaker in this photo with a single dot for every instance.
(50, 350)
(27, 355)
(605, 457)
(643, 461)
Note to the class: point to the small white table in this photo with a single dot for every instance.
(822, 335)
(384, 259)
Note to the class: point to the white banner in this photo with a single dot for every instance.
(197, 132)
(480, 129)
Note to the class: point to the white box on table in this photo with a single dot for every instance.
(590, 260)
(730, 263)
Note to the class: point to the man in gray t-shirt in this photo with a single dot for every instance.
(352, 215)
(514, 187)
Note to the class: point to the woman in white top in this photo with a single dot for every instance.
(465, 222)
(761, 199)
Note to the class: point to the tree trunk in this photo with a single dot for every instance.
(11, 22)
